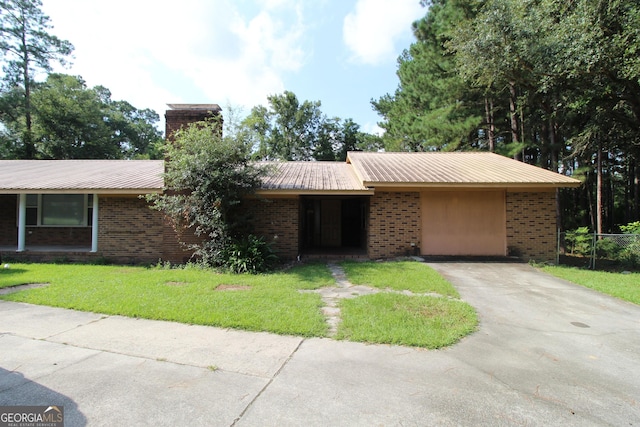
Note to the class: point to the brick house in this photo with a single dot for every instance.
(374, 205)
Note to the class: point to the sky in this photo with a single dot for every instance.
(235, 53)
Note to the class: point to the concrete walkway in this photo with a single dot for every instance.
(547, 353)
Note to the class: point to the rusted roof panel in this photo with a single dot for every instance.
(81, 176)
(311, 177)
(451, 169)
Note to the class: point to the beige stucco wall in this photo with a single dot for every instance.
(463, 223)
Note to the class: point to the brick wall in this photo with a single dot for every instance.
(394, 223)
(178, 118)
(531, 225)
(277, 221)
(128, 230)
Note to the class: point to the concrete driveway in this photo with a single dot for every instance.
(547, 353)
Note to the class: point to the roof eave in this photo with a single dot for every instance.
(304, 192)
(471, 184)
(128, 191)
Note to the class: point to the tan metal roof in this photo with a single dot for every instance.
(456, 169)
(312, 178)
(81, 176)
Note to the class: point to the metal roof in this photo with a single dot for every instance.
(451, 169)
(312, 178)
(81, 176)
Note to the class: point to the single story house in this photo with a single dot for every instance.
(374, 205)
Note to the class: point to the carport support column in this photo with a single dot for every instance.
(22, 221)
(94, 225)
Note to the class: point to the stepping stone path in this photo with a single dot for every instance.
(343, 289)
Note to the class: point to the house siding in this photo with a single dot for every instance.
(277, 221)
(394, 224)
(128, 230)
(531, 225)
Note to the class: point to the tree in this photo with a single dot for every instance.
(206, 180)
(27, 47)
(72, 121)
(287, 130)
(432, 108)
(290, 130)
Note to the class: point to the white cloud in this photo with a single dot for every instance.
(201, 52)
(373, 28)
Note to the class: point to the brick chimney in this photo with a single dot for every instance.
(179, 115)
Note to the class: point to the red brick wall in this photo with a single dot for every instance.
(176, 119)
(128, 230)
(531, 225)
(394, 223)
(277, 220)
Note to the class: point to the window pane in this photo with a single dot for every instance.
(32, 200)
(63, 209)
(32, 216)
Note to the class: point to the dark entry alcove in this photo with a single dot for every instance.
(334, 223)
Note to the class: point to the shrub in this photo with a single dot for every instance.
(579, 241)
(607, 248)
(250, 254)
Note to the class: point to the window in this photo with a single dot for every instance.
(59, 210)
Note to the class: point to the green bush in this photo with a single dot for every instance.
(607, 248)
(579, 241)
(250, 254)
(631, 228)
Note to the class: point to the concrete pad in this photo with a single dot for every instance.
(38, 321)
(106, 389)
(259, 354)
(351, 384)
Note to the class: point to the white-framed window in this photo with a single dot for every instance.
(59, 210)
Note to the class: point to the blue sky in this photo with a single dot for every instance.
(236, 53)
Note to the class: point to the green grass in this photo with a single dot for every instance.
(623, 286)
(268, 302)
(402, 275)
(390, 318)
(419, 321)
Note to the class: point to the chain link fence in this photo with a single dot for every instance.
(586, 249)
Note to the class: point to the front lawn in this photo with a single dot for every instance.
(624, 286)
(392, 318)
(268, 302)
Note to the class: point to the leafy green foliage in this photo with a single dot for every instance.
(207, 178)
(72, 121)
(27, 47)
(290, 130)
(250, 254)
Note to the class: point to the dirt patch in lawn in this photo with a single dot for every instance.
(176, 283)
(232, 288)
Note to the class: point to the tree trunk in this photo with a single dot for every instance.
(29, 148)
(491, 127)
(513, 113)
(599, 191)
